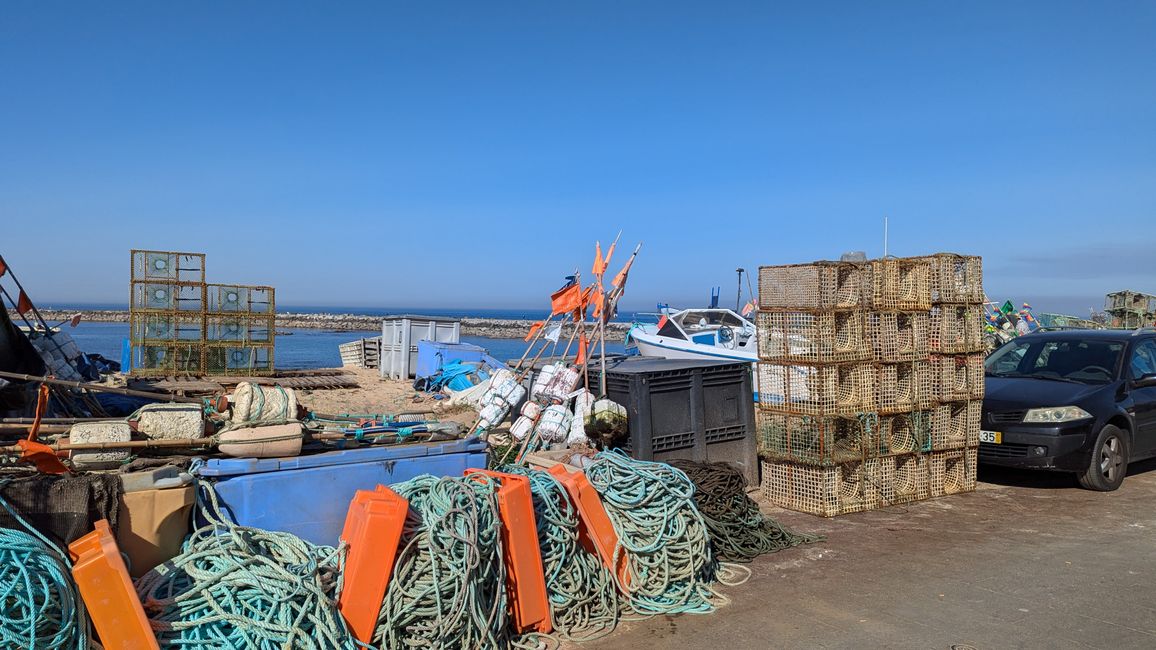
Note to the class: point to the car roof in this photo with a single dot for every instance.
(1088, 335)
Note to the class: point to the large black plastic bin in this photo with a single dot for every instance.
(678, 408)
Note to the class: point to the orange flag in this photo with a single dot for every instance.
(566, 299)
(581, 358)
(23, 305)
(609, 253)
(537, 325)
(599, 299)
(620, 279)
(599, 263)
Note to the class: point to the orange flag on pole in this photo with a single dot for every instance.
(566, 299)
(537, 325)
(599, 263)
(23, 305)
(620, 279)
(581, 358)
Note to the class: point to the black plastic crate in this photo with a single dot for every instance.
(677, 408)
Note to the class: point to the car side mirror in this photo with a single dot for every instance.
(1145, 381)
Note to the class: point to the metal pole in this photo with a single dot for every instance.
(739, 295)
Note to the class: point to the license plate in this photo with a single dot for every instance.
(994, 437)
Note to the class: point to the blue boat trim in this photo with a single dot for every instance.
(704, 354)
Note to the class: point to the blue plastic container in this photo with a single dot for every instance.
(432, 355)
(309, 495)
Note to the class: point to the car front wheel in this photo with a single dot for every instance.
(1109, 461)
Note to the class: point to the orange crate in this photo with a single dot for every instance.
(525, 578)
(103, 583)
(596, 533)
(373, 528)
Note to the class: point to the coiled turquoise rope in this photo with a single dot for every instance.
(583, 596)
(448, 588)
(41, 608)
(239, 587)
(670, 563)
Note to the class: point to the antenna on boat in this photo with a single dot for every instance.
(739, 296)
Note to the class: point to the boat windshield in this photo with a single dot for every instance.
(709, 319)
(1083, 361)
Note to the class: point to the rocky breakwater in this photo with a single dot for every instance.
(486, 327)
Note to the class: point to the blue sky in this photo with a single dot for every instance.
(469, 154)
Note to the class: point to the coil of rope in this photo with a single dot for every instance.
(42, 608)
(583, 595)
(669, 561)
(239, 587)
(448, 588)
(738, 531)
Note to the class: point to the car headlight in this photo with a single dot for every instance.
(1056, 414)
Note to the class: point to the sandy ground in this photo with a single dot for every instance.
(377, 395)
(1028, 560)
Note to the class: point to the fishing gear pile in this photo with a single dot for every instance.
(582, 593)
(448, 588)
(669, 560)
(239, 587)
(41, 608)
(738, 531)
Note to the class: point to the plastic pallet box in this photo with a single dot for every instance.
(309, 495)
(679, 408)
(432, 355)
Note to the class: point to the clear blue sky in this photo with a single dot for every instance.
(469, 154)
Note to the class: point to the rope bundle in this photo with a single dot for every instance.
(41, 608)
(448, 588)
(240, 587)
(738, 531)
(669, 561)
(583, 596)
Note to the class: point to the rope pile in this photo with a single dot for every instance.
(738, 531)
(669, 561)
(239, 587)
(448, 588)
(583, 596)
(41, 608)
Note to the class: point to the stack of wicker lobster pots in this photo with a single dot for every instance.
(870, 381)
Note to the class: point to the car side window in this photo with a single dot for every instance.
(1143, 360)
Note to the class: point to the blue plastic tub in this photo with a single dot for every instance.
(432, 355)
(309, 495)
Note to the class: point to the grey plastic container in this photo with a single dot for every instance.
(677, 408)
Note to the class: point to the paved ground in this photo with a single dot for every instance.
(1027, 561)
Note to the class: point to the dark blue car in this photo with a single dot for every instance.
(1081, 401)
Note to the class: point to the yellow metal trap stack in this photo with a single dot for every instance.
(870, 380)
(181, 325)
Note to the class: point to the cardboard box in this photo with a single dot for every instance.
(152, 526)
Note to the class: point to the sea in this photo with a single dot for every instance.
(315, 348)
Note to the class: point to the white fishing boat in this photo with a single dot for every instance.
(712, 333)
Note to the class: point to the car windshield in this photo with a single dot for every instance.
(1084, 361)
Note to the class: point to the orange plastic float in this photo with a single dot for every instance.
(103, 582)
(525, 578)
(373, 528)
(595, 532)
